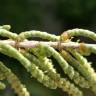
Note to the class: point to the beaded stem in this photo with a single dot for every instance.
(39, 65)
(8, 34)
(34, 33)
(81, 32)
(47, 67)
(70, 88)
(76, 64)
(87, 67)
(45, 64)
(19, 88)
(74, 75)
(39, 74)
(31, 67)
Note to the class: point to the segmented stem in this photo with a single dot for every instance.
(47, 67)
(31, 67)
(19, 88)
(34, 33)
(41, 67)
(74, 75)
(44, 63)
(76, 64)
(81, 32)
(70, 88)
(86, 66)
(10, 35)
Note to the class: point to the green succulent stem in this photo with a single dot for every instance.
(45, 64)
(34, 33)
(6, 33)
(81, 32)
(47, 67)
(69, 70)
(30, 66)
(19, 88)
(73, 62)
(36, 57)
(86, 69)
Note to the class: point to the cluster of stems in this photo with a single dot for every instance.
(36, 57)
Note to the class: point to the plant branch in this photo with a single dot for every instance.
(32, 44)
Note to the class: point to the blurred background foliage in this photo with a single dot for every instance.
(53, 16)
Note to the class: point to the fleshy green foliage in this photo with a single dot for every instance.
(77, 71)
(34, 33)
(13, 80)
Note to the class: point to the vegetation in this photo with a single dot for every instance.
(37, 58)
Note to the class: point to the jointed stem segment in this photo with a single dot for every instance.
(14, 81)
(35, 56)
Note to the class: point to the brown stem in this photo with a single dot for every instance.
(32, 44)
